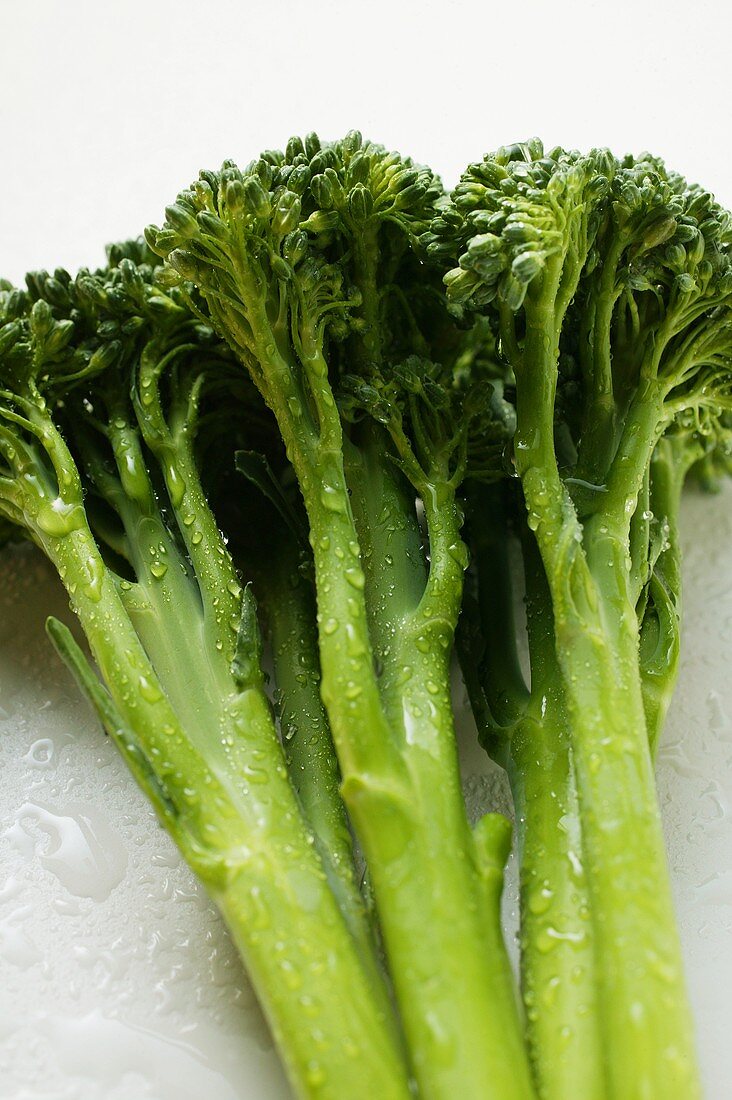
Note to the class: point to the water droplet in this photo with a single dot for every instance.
(355, 643)
(59, 518)
(540, 900)
(255, 775)
(332, 499)
(175, 484)
(314, 1075)
(76, 844)
(148, 690)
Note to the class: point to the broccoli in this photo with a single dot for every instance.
(608, 284)
(102, 377)
(300, 263)
(402, 406)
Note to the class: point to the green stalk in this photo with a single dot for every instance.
(238, 823)
(442, 983)
(412, 615)
(642, 1001)
(557, 941)
(527, 732)
(289, 604)
(404, 807)
(172, 442)
(644, 1015)
(417, 845)
(392, 544)
(209, 606)
(164, 579)
(557, 959)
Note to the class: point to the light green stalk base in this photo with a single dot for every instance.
(646, 1024)
(441, 924)
(557, 950)
(226, 800)
(644, 1015)
(527, 732)
(311, 760)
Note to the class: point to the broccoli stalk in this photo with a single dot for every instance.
(272, 253)
(279, 561)
(153, 580)
(420, 421)
(290, 609)
(526, 730)
(610, 284)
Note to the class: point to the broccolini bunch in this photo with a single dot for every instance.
(389, 396)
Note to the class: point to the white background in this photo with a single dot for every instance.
(108, 109)
(116, 978)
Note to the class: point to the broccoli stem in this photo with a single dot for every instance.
(642, 1001)
(644, 1015)
(557, 959)
(172, 442)
(392, 544)
(418, 848)
(289, 604)
(527, 733)
(209, 605)
(412, 615)
(197, 674)
(404, 805)
(237, 821)
(557, 942)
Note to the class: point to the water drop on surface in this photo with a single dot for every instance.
(355, 578)
(332, 499)
(148, 690)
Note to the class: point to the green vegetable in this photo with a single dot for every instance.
(403, 407)
(301, 262)
(116, 504)
(272, 547)
(609, 286)
(526, 730)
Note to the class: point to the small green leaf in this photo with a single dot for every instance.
(246, 664)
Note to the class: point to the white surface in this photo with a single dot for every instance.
(109, 109)
(116, 979)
